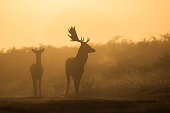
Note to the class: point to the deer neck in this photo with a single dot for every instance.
(81, 57)
(38, 60)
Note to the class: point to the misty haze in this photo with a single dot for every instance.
(84, 57)
(119, 69)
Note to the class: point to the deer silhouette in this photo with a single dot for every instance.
(75, 66)
(37, 70)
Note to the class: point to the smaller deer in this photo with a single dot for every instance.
(37, 70)
(75, 66)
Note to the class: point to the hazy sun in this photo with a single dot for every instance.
(30, 22)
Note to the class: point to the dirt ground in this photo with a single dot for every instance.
(82, 105)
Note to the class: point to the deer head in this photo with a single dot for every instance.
(38, 51)
(84, 46)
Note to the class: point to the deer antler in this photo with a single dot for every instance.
(74, 36)
(73, 33)
(88, 39)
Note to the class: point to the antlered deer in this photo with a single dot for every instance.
(75, 66)
(37, 70)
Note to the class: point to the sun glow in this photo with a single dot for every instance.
(30, 22)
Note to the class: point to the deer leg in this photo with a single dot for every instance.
(35, 87)
(40, 86)
(78, 84)
(68, 84)
(76, 88)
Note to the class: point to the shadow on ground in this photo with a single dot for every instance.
(66, 105)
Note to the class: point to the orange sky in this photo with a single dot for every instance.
(30, 22)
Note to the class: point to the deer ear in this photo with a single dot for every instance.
(33, 50)
(42, 50)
